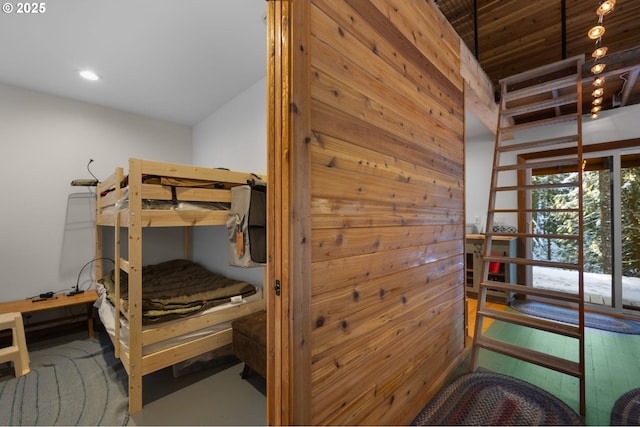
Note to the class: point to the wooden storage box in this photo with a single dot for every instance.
(249, 342)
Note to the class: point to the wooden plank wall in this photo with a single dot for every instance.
(387, 194)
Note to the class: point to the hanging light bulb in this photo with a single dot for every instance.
(596, 32)
(598, 92)
(599, 52)
(598, 81)
(598, 68)
(596, 109)
(606, 7)
(597, 101)
(594, 116)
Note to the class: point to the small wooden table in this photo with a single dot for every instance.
(59, 301)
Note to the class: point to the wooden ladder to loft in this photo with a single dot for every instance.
(545, 96)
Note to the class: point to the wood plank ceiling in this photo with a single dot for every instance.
(517, 35)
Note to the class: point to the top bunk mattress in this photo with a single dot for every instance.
(170, 201)
(177, 288)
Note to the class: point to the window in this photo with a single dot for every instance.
(611, 204)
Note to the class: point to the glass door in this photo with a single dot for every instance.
(611, 202)
(630, 230)
(598, 207)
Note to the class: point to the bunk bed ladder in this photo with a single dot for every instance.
(547, 95)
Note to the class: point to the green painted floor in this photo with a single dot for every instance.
(612, 365)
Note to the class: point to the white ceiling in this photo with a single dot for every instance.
(176, 60)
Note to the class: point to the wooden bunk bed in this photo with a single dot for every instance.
(212, 186)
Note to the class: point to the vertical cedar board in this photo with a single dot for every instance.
(288, 135)
(386, 211)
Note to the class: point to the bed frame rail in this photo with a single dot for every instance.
(168, 330)
(190, 172)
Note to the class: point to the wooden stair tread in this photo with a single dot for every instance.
(577, 60)
(560, 328)
(538, 165)
(533, 262)
(542, 143)
(533, 210)
(542, 88)
(534, 186)
(548, 361)
(534, 235)
(547, 104)
(538, 123)
(528, 290)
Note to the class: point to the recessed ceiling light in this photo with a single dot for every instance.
(89, 75)
(599, 52)
(598, 68)
(596, 32)
(606, 7)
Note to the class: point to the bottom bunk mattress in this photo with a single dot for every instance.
(177, 288)
(107, 314)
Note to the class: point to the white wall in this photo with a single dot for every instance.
(234, 137)
(612, 125)
(47, 225)
(478, 165)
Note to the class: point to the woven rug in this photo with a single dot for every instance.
(626, 410)
(76, 383)
(483, 398)
(567, 315)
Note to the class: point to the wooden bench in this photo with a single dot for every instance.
(31, 305)
(249, 342)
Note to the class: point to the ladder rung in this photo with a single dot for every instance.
(540, 144)
(577, 60)
(537, 123)
(535, 235)
(516, 211)
(539, 165)
(534, 262)
(545, 87)
(559, 328)
(548, 361)
(529, 290)
(534, 186)
(541, 105)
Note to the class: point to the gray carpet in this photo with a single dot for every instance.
(76, 383)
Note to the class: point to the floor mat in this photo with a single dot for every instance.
(567, 315)
(483, 398)
(76, 383)
(626, 410)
